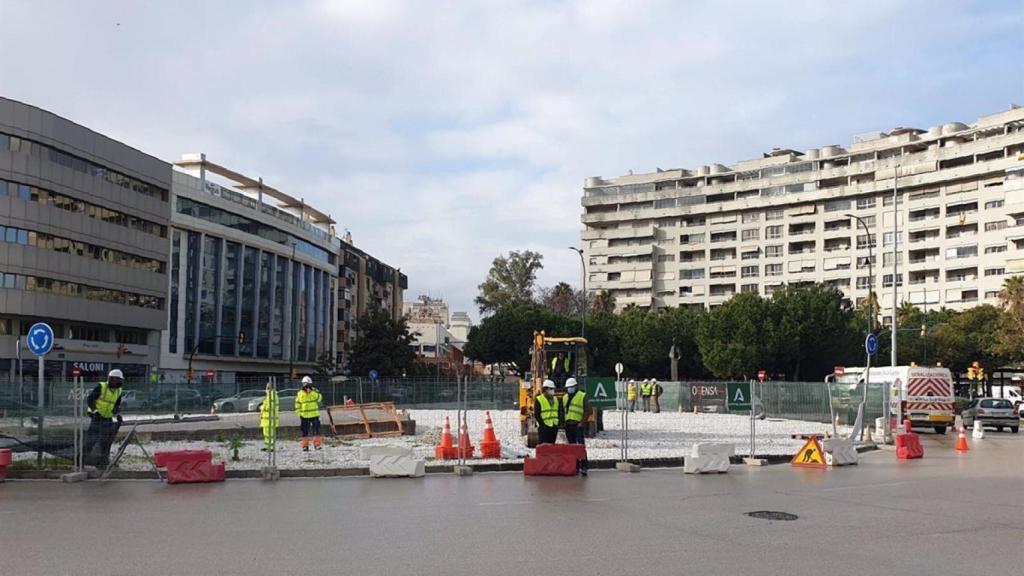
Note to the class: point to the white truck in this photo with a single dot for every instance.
(920, 394)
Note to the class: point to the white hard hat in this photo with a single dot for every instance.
(654, 380)
(570, 383)
(116, 373)
(307, 380)
(632, 381)
(548, 384)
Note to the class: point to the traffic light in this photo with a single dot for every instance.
(924, 330)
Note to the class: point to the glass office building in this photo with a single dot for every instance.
(252, 286)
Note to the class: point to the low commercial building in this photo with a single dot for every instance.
(83, 246)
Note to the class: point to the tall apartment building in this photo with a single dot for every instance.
(697, 237)
(363, 281)
(427, 310)
(83, 246)
(253, 279)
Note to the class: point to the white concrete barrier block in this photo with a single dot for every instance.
(705, 464)
(839, 451)
(393, 466)
(368, 452)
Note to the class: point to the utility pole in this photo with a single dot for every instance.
(871, 312)
(583, 283)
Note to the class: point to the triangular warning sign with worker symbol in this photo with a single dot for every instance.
(811, 455)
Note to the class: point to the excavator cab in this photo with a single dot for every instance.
(556, 359)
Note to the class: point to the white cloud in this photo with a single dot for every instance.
(443, 133)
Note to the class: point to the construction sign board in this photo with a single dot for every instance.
(810, 456)
(601, 392)
(738, 396)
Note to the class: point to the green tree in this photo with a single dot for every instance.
(325, 366)
(602, 301)
(968, 336)
(511, 280)
(506, 336)
(810, 331)
(732, 339)
(1010, 331)
(646, 337)
(382, 344)
(562, 299)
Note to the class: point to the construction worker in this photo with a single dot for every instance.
(548, 411)
(575, 407)
(631, 395)
(656, 391)
(270, 418)
(104, 405)
(307, 407)
(645, 393)
(559, 368)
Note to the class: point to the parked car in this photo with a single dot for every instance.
(135, 400)
(285, 398)
(995, 413)
(188, 399)
(237, 402)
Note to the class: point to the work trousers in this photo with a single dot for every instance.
(99, 435)
(546, 435)
(576, 434)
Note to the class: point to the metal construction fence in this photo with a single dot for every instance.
(790, 400)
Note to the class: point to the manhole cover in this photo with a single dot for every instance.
(772, 515)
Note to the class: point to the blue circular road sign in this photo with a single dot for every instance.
(40, 338)
(373, 374)
(871, 344)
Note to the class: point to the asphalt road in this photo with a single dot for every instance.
(946, 514)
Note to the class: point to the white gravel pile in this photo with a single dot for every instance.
(665, 435)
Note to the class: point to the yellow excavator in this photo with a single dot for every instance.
(556, 359)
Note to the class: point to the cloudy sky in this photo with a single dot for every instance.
(444, 133)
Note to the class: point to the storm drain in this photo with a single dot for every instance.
(772, 515)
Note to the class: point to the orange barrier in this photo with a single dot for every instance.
(445, 450)
(489, 446)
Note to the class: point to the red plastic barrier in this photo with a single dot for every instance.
(908, 446)
(191, 472)
(577, 451)
(172, 458)
(6, 458)
(559, 465)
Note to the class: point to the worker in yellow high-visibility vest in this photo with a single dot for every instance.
(104, 405)
(547, 409)
(631, 395)
(270, 418)
(307, 407)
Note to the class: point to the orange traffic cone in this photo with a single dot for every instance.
(465, 447)
(445, 450)
(489, 446)
(961, 441)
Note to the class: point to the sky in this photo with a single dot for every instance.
(442, 134)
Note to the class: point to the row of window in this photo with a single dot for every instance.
(90, 332)
(32, 148)
(190, 207)
(49, 198)
(76, 290)
(46, 241)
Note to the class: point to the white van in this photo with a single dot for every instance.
(920, 394)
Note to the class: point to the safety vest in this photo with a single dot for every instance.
(554, 363)
(645, 389)
(270, 410)
(106, 401)
(631, 391)
(307, 404)
(574, 406)
(548, 410)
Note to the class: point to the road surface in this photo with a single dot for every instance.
(946, 514)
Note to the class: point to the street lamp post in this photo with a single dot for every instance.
(895, 255)
(583, 283)
(871, 318)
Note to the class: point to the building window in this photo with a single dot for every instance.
(772, 232)
(96, 293)
(995, 249)
(991, 294)
(692, 274)
(863, 282)
(773, 270)
(869, 221)
(172, 325)
(773, 214)
(266, 275)
(995, 271)
(864, 240)
(250, 263)
(748, 289)
(836, 205)
(209, 295)
(865, 203)
(749, 217)
(887, 200)
(887, 258)
(773, 251)
(750, 271)
(752, 234)
(229, 301)
(992, 204)
(192, 269)
(961, 252)
(998, 225)
(723, 237)
(692, 239)
(46, 241)
(666, 258)
(91, 333)
(614, 276)
(277, 330)
(887, 280)
(750, 255)
(887, 239)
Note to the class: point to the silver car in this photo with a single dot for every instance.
(237, 402)
(995, 413)
(285, 397)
